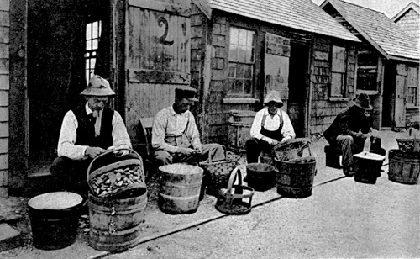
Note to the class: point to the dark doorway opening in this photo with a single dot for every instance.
(57, 44)
(298, 87)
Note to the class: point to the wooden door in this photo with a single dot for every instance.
(400, 95)
(157, 56)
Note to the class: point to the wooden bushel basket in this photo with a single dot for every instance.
(231, 201)
(180, 187)
(295, 177)
(108, 175)
(404, 167)
(116, 217)
(292, 149)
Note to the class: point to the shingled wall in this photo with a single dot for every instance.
(325, 109)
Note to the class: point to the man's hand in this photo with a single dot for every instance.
(185, 151)
(94, 151)
(362, 136)
(270, 141)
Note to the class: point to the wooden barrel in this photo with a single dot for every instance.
(115, 222)
(239, 125)
(295, 177)
(179, 188)
(404, 167)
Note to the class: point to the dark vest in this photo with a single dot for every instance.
(273, 134)
(85, 133)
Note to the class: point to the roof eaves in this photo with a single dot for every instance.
(357, 27)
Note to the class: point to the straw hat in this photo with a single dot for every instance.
(98, 86)
(273, 96)
(363, 101)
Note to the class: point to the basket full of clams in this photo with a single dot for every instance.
(109, 175)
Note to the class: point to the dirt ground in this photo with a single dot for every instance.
(342, 219)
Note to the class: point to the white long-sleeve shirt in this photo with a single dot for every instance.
(272, 124)
(66, 143)
(181, 127)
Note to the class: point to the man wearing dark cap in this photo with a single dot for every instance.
(350, 129)
(175, 137)
(86, 132)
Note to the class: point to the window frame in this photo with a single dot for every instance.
(92, 53)
(344, 84)
(416, 95)
(252, 64)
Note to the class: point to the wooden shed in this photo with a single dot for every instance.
(387, 66)
(231, 51)
(245, 48)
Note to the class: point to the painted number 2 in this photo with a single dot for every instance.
(162, 39)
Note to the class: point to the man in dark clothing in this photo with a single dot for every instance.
(88, 131)
(350, 129)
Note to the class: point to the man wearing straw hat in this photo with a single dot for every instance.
(86, 132)
(175, 137)
(271, 126)
(350, 129)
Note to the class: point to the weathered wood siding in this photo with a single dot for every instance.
(4, 92)
(324, 109)
(158, 56)
(200, 64)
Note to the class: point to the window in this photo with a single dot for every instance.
(367, 65)
(241, 62)
(93, 33)
(338, 69)
(412, 87)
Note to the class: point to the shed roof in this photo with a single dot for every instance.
(296, 14)
(378, 29)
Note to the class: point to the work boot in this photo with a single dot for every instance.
(348, 171)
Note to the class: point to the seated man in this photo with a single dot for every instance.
(175, 136)
(87, 131)
(349, 131)
(271, 126)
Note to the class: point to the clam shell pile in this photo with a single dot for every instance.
(112, 182)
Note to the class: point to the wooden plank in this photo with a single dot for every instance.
(183, 9)
(401, 69)
(4, 129)
(187, 41)
(134, 40)
(400, 117)
(154, 76)
(4, 145)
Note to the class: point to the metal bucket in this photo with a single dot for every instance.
(53, 225)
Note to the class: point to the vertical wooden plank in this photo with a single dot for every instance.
(152, 24)
(400, 119)
(172, 36)
(187, 40)
(158, 32)
(177, 50)
(143, 39)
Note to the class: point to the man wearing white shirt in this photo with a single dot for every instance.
(271, 126)
(86, 132)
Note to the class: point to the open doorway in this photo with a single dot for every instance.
(64, 41)
(298, 87)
